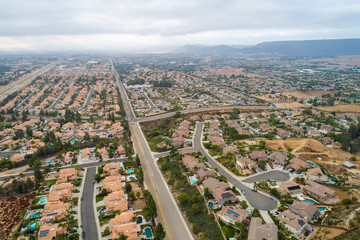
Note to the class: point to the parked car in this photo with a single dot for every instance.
(81, 198)
(243, 192)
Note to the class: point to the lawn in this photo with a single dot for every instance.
(50, 182)
(227, 230)
(128, 165)
(155, 141)
(99, 199)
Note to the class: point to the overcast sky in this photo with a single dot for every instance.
(55, 25)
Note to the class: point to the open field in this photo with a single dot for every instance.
(325, 233)
(341, 60)
(345, 108)
(290, 105)
(308, 94)
(10, 208)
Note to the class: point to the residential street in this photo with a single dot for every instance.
(87, 208)
(256, 199)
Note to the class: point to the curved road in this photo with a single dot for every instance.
(256, 199)
(274, 174)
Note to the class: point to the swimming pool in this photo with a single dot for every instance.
(139, 220)
(42, 201)
(131, 170)
(49, 163)
(132, 178)
(166, 138)
(33, 224)
(309, 200)
(322, 209)
(336, 129)
(148, 233)
(193, 179)
(35, 215)
(211, 205)
(312, 164)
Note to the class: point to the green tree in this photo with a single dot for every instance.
(159, 232)
(183, 197)
(128, 187)
(195, 209)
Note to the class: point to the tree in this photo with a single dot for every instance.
(19, 134)
(195, 209)
(262, 144)
(132, 196)
(346, 201)
(183, 197)
(29, 132)
(207, 193)
(159, 232)
(122, 237)
(128, 187)
(138, 194)
(97, 177)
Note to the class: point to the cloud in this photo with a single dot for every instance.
(66, 24)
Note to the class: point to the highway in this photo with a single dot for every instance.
(256, 199)
(168, 212)
(23, 81)
(87, 207)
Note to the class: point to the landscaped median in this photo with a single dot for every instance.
(189, 198)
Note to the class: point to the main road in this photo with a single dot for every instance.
(256, 199)
(169, 213)
(88, 220)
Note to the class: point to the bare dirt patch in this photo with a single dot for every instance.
(290, 105)
(10, 208)
(344, 108)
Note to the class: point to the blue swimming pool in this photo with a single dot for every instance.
(139, 220)
(322, 209)
(193, 179)
(166, 138)
(42, 200)
(33, 225)
(131, 170)
(148, 233)
(309, 200)
(35, 215)
(211, 205)
(311, 163)
(336, 129)
(132, 178)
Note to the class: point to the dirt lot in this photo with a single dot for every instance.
(308, 94)
(325, 233)
(10, 207)
(308, 149)
(290, 105)
(345, 108)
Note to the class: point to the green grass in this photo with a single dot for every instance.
(99, 199)
(98, 208)
(50, 182)
(128, 165)
(227, 230)
(154, 141)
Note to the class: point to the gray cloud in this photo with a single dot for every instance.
(228, 21)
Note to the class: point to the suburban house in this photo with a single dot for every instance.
(278, 158)
(113, 186)
(245, 163)
(52, 231)
(114, 196)
(224, 196)
(204, 172)
(52, 206)
(290, 187)
(66, 175)
(293, 222)
(48, 218)
(260, 231)
(319, 191)
(259, 156)
(62, 186)
(305, 209)
(129, 229)
(112, 206)
(61, 195)
(213, 183)
(232, 214)
(111, 166)
(298, 164)
(124, 217)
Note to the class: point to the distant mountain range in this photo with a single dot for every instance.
(310, 48)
